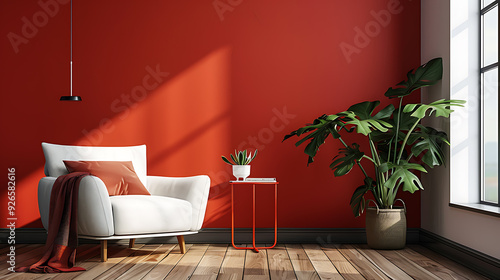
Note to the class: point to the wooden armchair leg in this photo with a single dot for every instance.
(182, 244)
(104, 250)
(131, 243)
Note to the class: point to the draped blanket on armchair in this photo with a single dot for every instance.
(62, 239)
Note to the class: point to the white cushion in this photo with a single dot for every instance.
(55, 154)
(141, 214)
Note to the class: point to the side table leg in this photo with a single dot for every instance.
(232, 216)
(253, 229)
(275, 214)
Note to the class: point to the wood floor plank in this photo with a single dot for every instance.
(364, 266)
(444, 261)
(210, 264)
(383, 264)
(94, 266)
(414, 270)
(233, 264)
(6, 249)
(122, 267)
(346, 269)
(432, 266)
(20, 276)
(143, 266)
(25, 256)
(163, 268)
(186, 266)
(304, 269)
(81, 249)
(324, 267)
(164, 261)
(256, 265)
(280, 266)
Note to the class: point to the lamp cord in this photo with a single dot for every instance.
(71, 51)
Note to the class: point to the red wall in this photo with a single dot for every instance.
(229, 73)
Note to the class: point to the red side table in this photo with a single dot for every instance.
(232, 183)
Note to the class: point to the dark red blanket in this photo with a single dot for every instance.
(62, 240)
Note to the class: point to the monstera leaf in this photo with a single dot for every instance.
(425, 75)
(344, 164)
(403, 175)
(319, 131)
(406, 121)
(430, 140)
(358, 202)
(440, 107)
(319, 122)
(360, 115)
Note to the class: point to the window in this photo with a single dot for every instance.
(489, 102)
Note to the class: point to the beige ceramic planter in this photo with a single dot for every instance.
(386, 228)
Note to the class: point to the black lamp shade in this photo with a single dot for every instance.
(70, 98)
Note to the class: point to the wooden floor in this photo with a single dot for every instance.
(218, 261)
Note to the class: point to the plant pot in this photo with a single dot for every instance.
(241, 171)
(386, 228)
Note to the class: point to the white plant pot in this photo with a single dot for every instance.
(241, 171)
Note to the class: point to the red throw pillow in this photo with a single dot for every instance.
(118, 176)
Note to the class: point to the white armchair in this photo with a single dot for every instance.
(176, 206)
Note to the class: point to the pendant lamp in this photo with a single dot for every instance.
(71, 97)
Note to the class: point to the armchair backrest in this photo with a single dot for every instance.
(55, 154)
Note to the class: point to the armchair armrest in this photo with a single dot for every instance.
(194, 189)
(95, 217)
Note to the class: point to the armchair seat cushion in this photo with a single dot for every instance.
(139, 214)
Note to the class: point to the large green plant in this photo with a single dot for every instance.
(398, 143)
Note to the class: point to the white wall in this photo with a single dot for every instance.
(450, 30)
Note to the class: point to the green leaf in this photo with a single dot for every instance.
(360, 115)
(440, 107)
(406, 121)
(254, 154)
(241, 158)
(226, 160)
(384, 167)
(425, 75)
(430, 141)
(358, 202)
(318, 123)
(318, 132)
(364, 109)
(343, 165)
(385, 113)
(234, 159)
(403, 175)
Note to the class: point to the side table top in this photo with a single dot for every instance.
(254, 182)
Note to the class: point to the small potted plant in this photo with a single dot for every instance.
(398, 145)
(240, 162)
